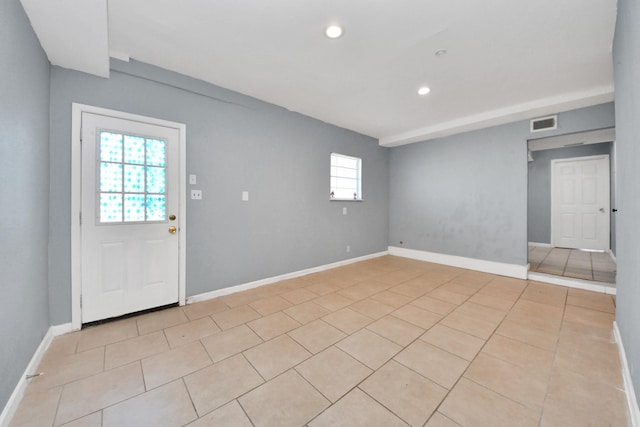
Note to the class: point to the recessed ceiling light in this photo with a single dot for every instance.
(441, 52)
(333, 31)
(423, 90)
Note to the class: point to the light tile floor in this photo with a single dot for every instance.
(384, 342)
(596, 266)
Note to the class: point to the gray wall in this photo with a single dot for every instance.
(627, 72)
(234, 143)
(24, 174)
(539, 187)
(466, 194)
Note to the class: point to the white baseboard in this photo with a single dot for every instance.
(587, 285)
(500, 268)
(251, 285)
(540, 245)
(18, 392)
(632, 402)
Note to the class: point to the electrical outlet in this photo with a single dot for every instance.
(348, 248)
(196, 194)
(245, 196)
(344, 211)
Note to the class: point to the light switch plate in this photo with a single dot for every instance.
(245, 196)
(193, 180)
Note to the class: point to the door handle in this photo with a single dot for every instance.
(172, 230)
(602, 210)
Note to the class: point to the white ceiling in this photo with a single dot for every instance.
(506, 59)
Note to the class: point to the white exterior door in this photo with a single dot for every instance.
(580, 203)
(129, 216)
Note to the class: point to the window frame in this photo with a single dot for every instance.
(358, 189)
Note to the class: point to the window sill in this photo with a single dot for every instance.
(346, 200)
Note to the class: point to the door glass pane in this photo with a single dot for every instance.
(134, 207)
(111, 177)
(155, 180)
(156, 152)
(132, 181)
(110, 147)
(156, 208)
(110, 207)
(134, 149)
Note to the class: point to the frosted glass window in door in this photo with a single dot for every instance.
(132, 182)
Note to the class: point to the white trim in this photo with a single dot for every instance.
(18, 392)
(572, 139)
(540, 245)
(76, 173)
(500, 116)
(500, 268)
(632, 402)
(570, 282)
(245, 286)
(612, 255)
(65, 328)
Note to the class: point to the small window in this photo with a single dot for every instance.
(346, 173)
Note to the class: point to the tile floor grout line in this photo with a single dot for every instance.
(193, 405)
(555, 355)
(524, 288)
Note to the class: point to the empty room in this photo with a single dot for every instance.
(320, 213)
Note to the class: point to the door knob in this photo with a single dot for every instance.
(601, 209)
(172, 230)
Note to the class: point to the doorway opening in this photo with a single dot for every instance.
(571, 207)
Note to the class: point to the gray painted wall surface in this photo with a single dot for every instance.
(466, 194)
(234, 143)
(627, 71)
(24, 174)
(539, 186)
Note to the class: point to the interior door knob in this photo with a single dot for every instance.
(172, 230)
(602, 210)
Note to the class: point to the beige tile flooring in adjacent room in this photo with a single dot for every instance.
(383, 342)
(596, 266)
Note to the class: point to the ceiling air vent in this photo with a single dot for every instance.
(544, 123)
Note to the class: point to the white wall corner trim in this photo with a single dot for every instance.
(570, 282)
(18, 392)
(632, 402)
(500, 268)
(540, 245)
(246, 286)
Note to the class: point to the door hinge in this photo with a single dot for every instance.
(80, 217)
(80, 300)
(80, 136)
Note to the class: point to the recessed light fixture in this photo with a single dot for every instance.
(441, 52)
(333, 31)
(423, 90)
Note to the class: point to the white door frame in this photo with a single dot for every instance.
(553, 238)
(76, 201)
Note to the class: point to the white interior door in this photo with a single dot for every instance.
(129, 210)
(580, 203)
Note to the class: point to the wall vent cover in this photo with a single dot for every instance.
(544, 123)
